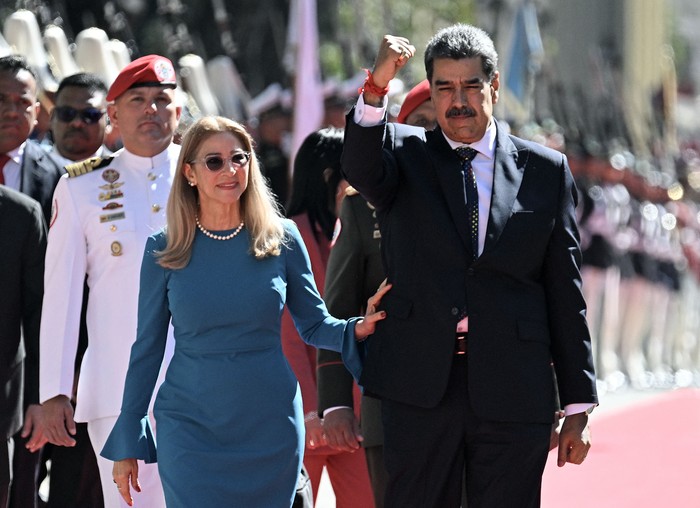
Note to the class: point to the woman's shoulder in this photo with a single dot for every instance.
(290, 227)
(292, 234)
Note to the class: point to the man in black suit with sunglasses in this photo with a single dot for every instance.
(79, 119)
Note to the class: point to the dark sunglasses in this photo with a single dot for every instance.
(87, 115)
(216, 162)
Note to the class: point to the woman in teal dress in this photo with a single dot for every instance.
(229, 414)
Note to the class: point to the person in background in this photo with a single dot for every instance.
(78, 123)
(229, 415)
(25, 167)
(481, 246)
(103, 212)
(273, 128)
(79, 119)
(353, 274)
(22, 248)
(417, 108)
(317, 188)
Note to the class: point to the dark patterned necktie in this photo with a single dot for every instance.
(471, 195)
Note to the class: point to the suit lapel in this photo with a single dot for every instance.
(507, 177)
(449, 173)
(30, 174)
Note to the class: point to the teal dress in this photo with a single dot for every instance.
(229, 414)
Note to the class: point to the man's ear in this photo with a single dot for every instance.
(495, 86)
(112, 115)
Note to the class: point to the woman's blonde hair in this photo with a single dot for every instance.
(259, 208)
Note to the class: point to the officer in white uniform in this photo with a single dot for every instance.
(103, 212)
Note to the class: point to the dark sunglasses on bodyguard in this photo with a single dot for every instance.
(88, 115)
(216, 162)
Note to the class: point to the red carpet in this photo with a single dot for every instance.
(644, 455)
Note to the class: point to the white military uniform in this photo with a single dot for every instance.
(103, 212)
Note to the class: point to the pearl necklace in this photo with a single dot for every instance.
(217, 237)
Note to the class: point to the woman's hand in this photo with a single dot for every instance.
(365, 326)
(126, 475)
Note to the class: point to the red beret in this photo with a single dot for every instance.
(417, 96)
(150, 70)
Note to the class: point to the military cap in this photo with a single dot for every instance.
(150, 70)
(417, 96)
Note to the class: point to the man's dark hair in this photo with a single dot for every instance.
(462, 41)
(82, 80)
(16, 63)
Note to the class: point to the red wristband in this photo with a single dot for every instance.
(371, 87)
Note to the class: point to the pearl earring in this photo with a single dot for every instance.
(192, 184)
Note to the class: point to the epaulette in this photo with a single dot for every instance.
(88, 165)
(351, 191)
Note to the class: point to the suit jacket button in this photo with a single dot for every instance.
(470, 271)
(454, 311)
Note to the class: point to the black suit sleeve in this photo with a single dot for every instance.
(343, 298)
(353, 274)
(34, 248)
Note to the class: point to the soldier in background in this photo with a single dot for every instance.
(273, 127)
(78, 124)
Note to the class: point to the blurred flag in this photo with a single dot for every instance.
(526, 52)
(303, 64)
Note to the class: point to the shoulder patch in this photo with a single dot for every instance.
(88, 165)
(351, 191)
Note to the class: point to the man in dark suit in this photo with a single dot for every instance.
(483, 255)
(29, 169)
(24, 166)
(22, 248)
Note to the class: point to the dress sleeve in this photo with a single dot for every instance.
(311, 318)
(132, 436)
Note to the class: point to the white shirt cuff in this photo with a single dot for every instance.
(333, 408)
(369, 116)
(585, 407)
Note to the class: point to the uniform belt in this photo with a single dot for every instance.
(461, 343)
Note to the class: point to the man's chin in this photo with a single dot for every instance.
(462, 133)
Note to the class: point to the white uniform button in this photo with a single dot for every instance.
(151, 176)
(113, 228)
(155, 208)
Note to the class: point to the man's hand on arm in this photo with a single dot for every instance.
(342, 429)
(574, 439)
(58, 421)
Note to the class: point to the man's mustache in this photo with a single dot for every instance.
(463, 111)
